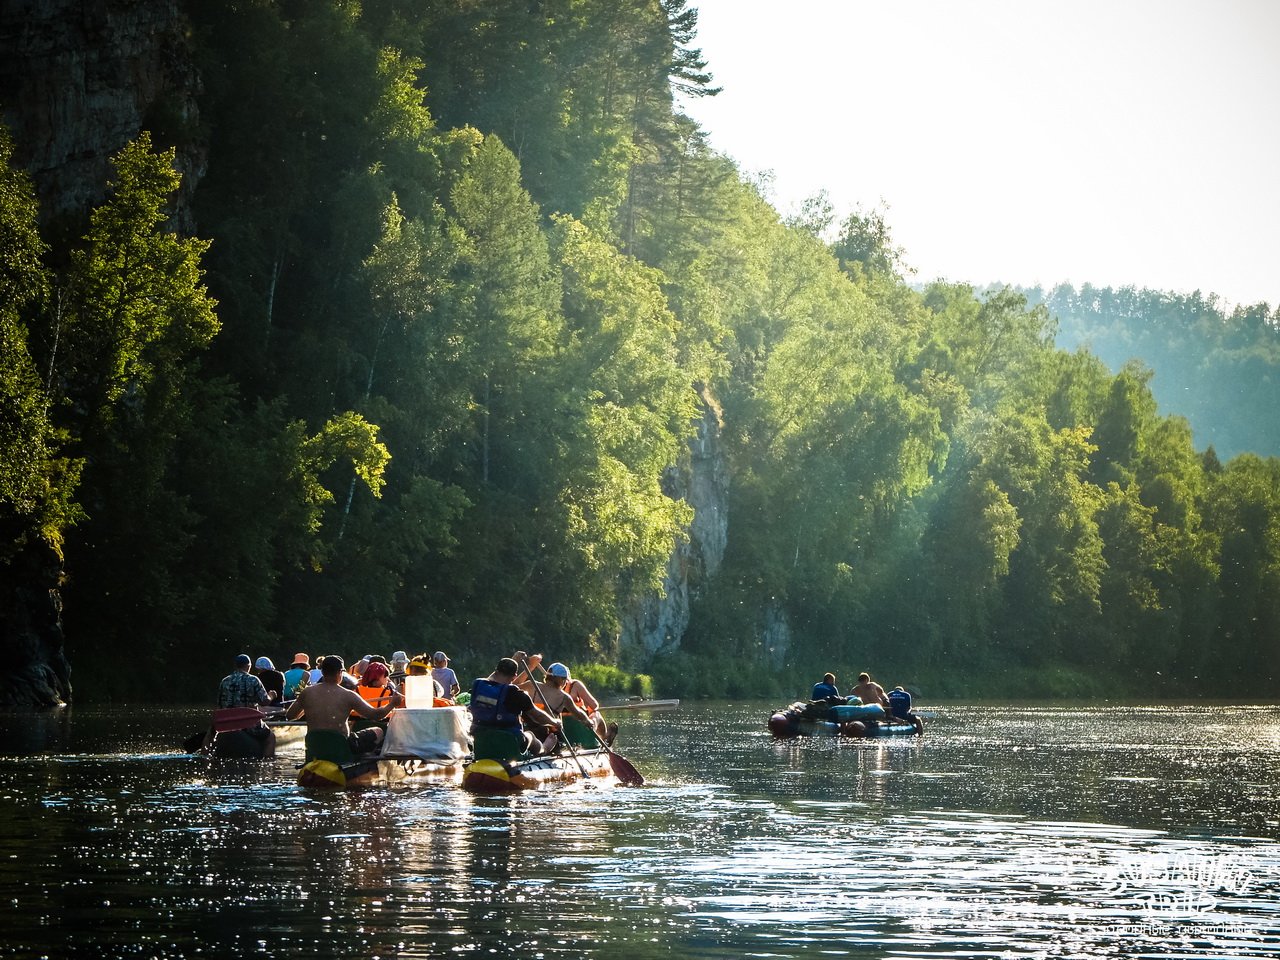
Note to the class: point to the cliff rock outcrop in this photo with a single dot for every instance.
(658, 623)
(80, 78)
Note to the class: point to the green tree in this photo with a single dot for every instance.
(36, 480)
(634, 415)
(134, 316)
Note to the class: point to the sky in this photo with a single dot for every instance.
(1112, 142)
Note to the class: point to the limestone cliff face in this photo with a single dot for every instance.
(81, 78)
(659, 623)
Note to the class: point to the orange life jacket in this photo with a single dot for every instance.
(377, 696)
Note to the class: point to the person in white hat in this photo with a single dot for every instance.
(398, 666)
(443, 675)
(271, 678)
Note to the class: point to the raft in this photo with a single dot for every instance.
(819, 719)
(511, 776)
(420, 744)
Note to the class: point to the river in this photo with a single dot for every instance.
(1013, 831)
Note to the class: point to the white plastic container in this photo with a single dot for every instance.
(419, 693)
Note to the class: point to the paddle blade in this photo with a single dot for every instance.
(624, 771)
(194, 742)
(236, 718)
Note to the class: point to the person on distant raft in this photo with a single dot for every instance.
(328, 705)
(900, 708)
(825, 689)
(497, 703)
(900, 703)
(868, 691)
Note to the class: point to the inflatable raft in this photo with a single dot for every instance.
(823, 719)
(421, 744)
(512, 776)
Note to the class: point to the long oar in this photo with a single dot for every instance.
(563, 734)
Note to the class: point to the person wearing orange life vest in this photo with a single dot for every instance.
(376, 689)
(578, 692)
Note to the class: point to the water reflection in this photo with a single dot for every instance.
(1051, 832)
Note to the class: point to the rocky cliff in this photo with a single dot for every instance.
(80, 78)
(659, 622)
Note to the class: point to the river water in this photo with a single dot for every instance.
(1017, 831)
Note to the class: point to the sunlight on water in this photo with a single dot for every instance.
(1053, 833)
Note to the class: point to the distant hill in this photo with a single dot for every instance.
(1220, 370)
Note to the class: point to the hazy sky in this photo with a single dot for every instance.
(1106, 141)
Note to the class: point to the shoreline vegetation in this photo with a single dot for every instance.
(474, 343)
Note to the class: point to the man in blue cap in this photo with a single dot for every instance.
(240, 688)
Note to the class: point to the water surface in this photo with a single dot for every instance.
(1004, 832)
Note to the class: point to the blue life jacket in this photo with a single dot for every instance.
(489, 706)
(900, 703)
(823, 690)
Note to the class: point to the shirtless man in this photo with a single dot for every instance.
(327, 705)
(868, 691)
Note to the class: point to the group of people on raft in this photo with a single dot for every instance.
(328, 696)
(896, 703)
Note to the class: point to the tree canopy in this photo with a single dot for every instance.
(466, 287)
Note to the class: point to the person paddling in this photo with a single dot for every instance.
(585, 699)
(240, 688)
(557, 700)
(497, 703)
(327, 705)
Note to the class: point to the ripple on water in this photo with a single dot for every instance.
(1041, 837)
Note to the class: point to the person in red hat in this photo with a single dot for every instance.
(376, 687)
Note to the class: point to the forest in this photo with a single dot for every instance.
(464, 287)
